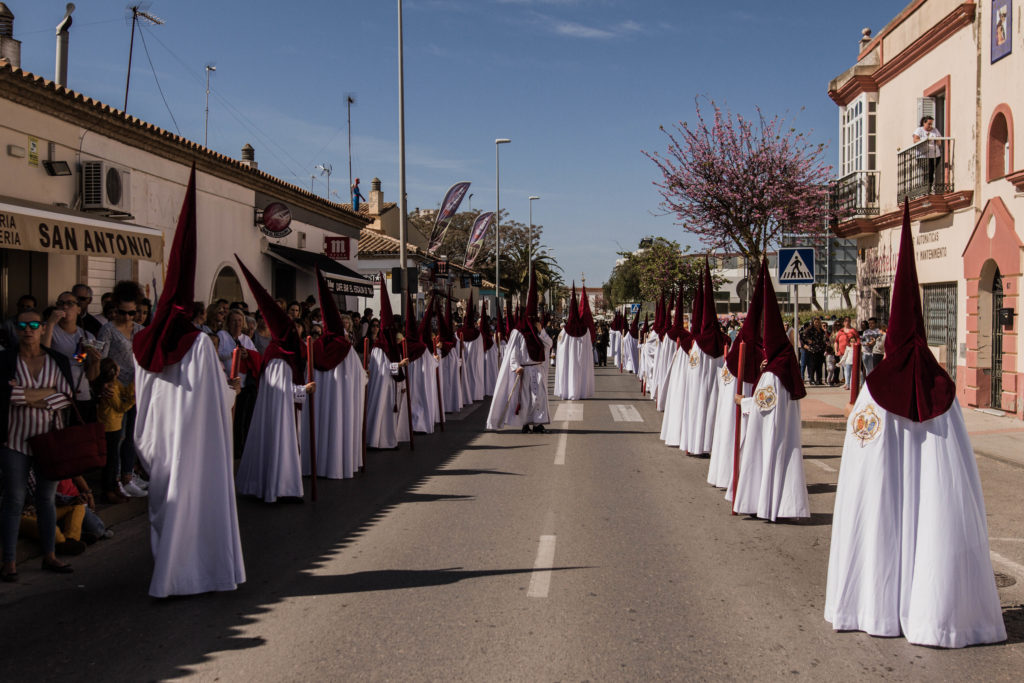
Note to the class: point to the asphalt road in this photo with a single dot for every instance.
(590, 553)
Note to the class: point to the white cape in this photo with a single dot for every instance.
(451, 383)
(700, 401)
(771, 482)
(338, 418)
(426, 411)
(724, 442)
(574, 367)
(648, 353)
(527, 393)
(910, 546)
(270, 466)
(662, 362)
(615, 347)
(491, 362)
(473, 375)
(631, 353)
(671, 398)
(387, 417)
(183, 432)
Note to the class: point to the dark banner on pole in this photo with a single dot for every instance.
(452, 199)
(476, 236)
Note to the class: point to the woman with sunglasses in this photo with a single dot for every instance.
(76, 344)
(119, 333)
(36, 384)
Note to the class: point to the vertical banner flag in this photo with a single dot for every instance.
(476, 237)
(452, 199)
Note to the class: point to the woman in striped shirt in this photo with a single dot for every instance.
(36, 387)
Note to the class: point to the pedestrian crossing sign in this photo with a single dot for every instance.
(796, 266)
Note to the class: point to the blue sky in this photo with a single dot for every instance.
(580, 86)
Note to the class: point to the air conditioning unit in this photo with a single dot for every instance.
(106, 186)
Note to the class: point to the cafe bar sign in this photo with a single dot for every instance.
(34, 229)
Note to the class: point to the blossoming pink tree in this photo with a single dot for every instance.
(739, 183)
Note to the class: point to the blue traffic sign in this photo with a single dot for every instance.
(634, 309)
(796, 266)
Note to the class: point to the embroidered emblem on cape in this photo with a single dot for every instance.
(726, 376)
(865, 424)
(765, 398)
(694, 358)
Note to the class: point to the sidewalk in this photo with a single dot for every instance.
(999, 438)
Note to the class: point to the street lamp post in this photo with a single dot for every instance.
(530, 246)
(402, 203)
(497, 223)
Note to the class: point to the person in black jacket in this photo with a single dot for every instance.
(35, 387)
(602, 346)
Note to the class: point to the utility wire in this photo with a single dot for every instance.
(142, 34)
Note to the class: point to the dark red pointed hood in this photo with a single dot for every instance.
(682, 336)
(426, 329)
(660, 315)
(284, 338)
(485, 326)
(587, 316)
(909, 381)
(415, 347)
(646, 329)
(170, 335)
(386, 337)
(469, 330)
(534, 346)
(750, 332)
(333, 346)
(710, 338)
(778, 347)
(574, 326)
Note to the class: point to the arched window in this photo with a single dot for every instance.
(1000, 144)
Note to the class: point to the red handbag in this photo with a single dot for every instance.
(71, 451)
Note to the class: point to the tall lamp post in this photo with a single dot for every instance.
(402, 203)
(530, 245)
(206, 119)
(497, 223)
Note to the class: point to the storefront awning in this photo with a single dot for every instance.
(341, 280)
(56, 230)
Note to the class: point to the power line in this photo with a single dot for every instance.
(142, 34)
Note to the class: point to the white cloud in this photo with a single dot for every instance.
(571, 28)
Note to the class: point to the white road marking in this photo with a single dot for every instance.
(824, 466)
(625, 413)
(1017, 569)
(569, 412)
(540, 580)
(563, 439)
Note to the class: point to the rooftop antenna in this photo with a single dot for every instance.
(206, 120)
(326, 169)
(139, 13)
(350, 99)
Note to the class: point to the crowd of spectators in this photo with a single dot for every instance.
(827, 349)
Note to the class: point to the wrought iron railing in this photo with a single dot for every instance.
(854, 195)
(925, 168)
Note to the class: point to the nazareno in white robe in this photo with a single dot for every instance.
(615, 346)
(574, 367)
(183, 432)
(700, 401)
(662, 363)
(338, 418)
(910, 550)
(530, 394)
(472, 369)
(671, 398)
(724, 442)
(426, 412)
(387, 421)
(451, 383)
(771, 481)
(270, 466)
(648, 353)
(491, 362)
(630, 353)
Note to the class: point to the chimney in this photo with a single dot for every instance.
(61, 69)
(249, 157)
(375, 202)
(10, 49)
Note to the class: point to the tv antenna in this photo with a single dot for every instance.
(140, 13)
(326, 169)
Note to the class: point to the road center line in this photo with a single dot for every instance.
(824, 466)
(540, 580)
(563, 439)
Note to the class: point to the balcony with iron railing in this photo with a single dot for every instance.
(855, 195)
(925, 168)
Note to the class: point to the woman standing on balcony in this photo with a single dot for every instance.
(930, 153)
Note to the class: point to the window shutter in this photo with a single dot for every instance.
(925, 107)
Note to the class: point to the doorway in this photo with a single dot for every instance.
(996, 387)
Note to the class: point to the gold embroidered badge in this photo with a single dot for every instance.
(865, 424)
(726, 376)
(765, 398)
(694, 358)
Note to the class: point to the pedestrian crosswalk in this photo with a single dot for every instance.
(625, 413)
(568, 412)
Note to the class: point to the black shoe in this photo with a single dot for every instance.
(70, 547)
(57, 568)
(539, 429)
(526, 429)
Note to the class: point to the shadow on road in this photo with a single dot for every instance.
(465, 472)
(395, 579)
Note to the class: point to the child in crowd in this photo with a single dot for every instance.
(115, 399)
